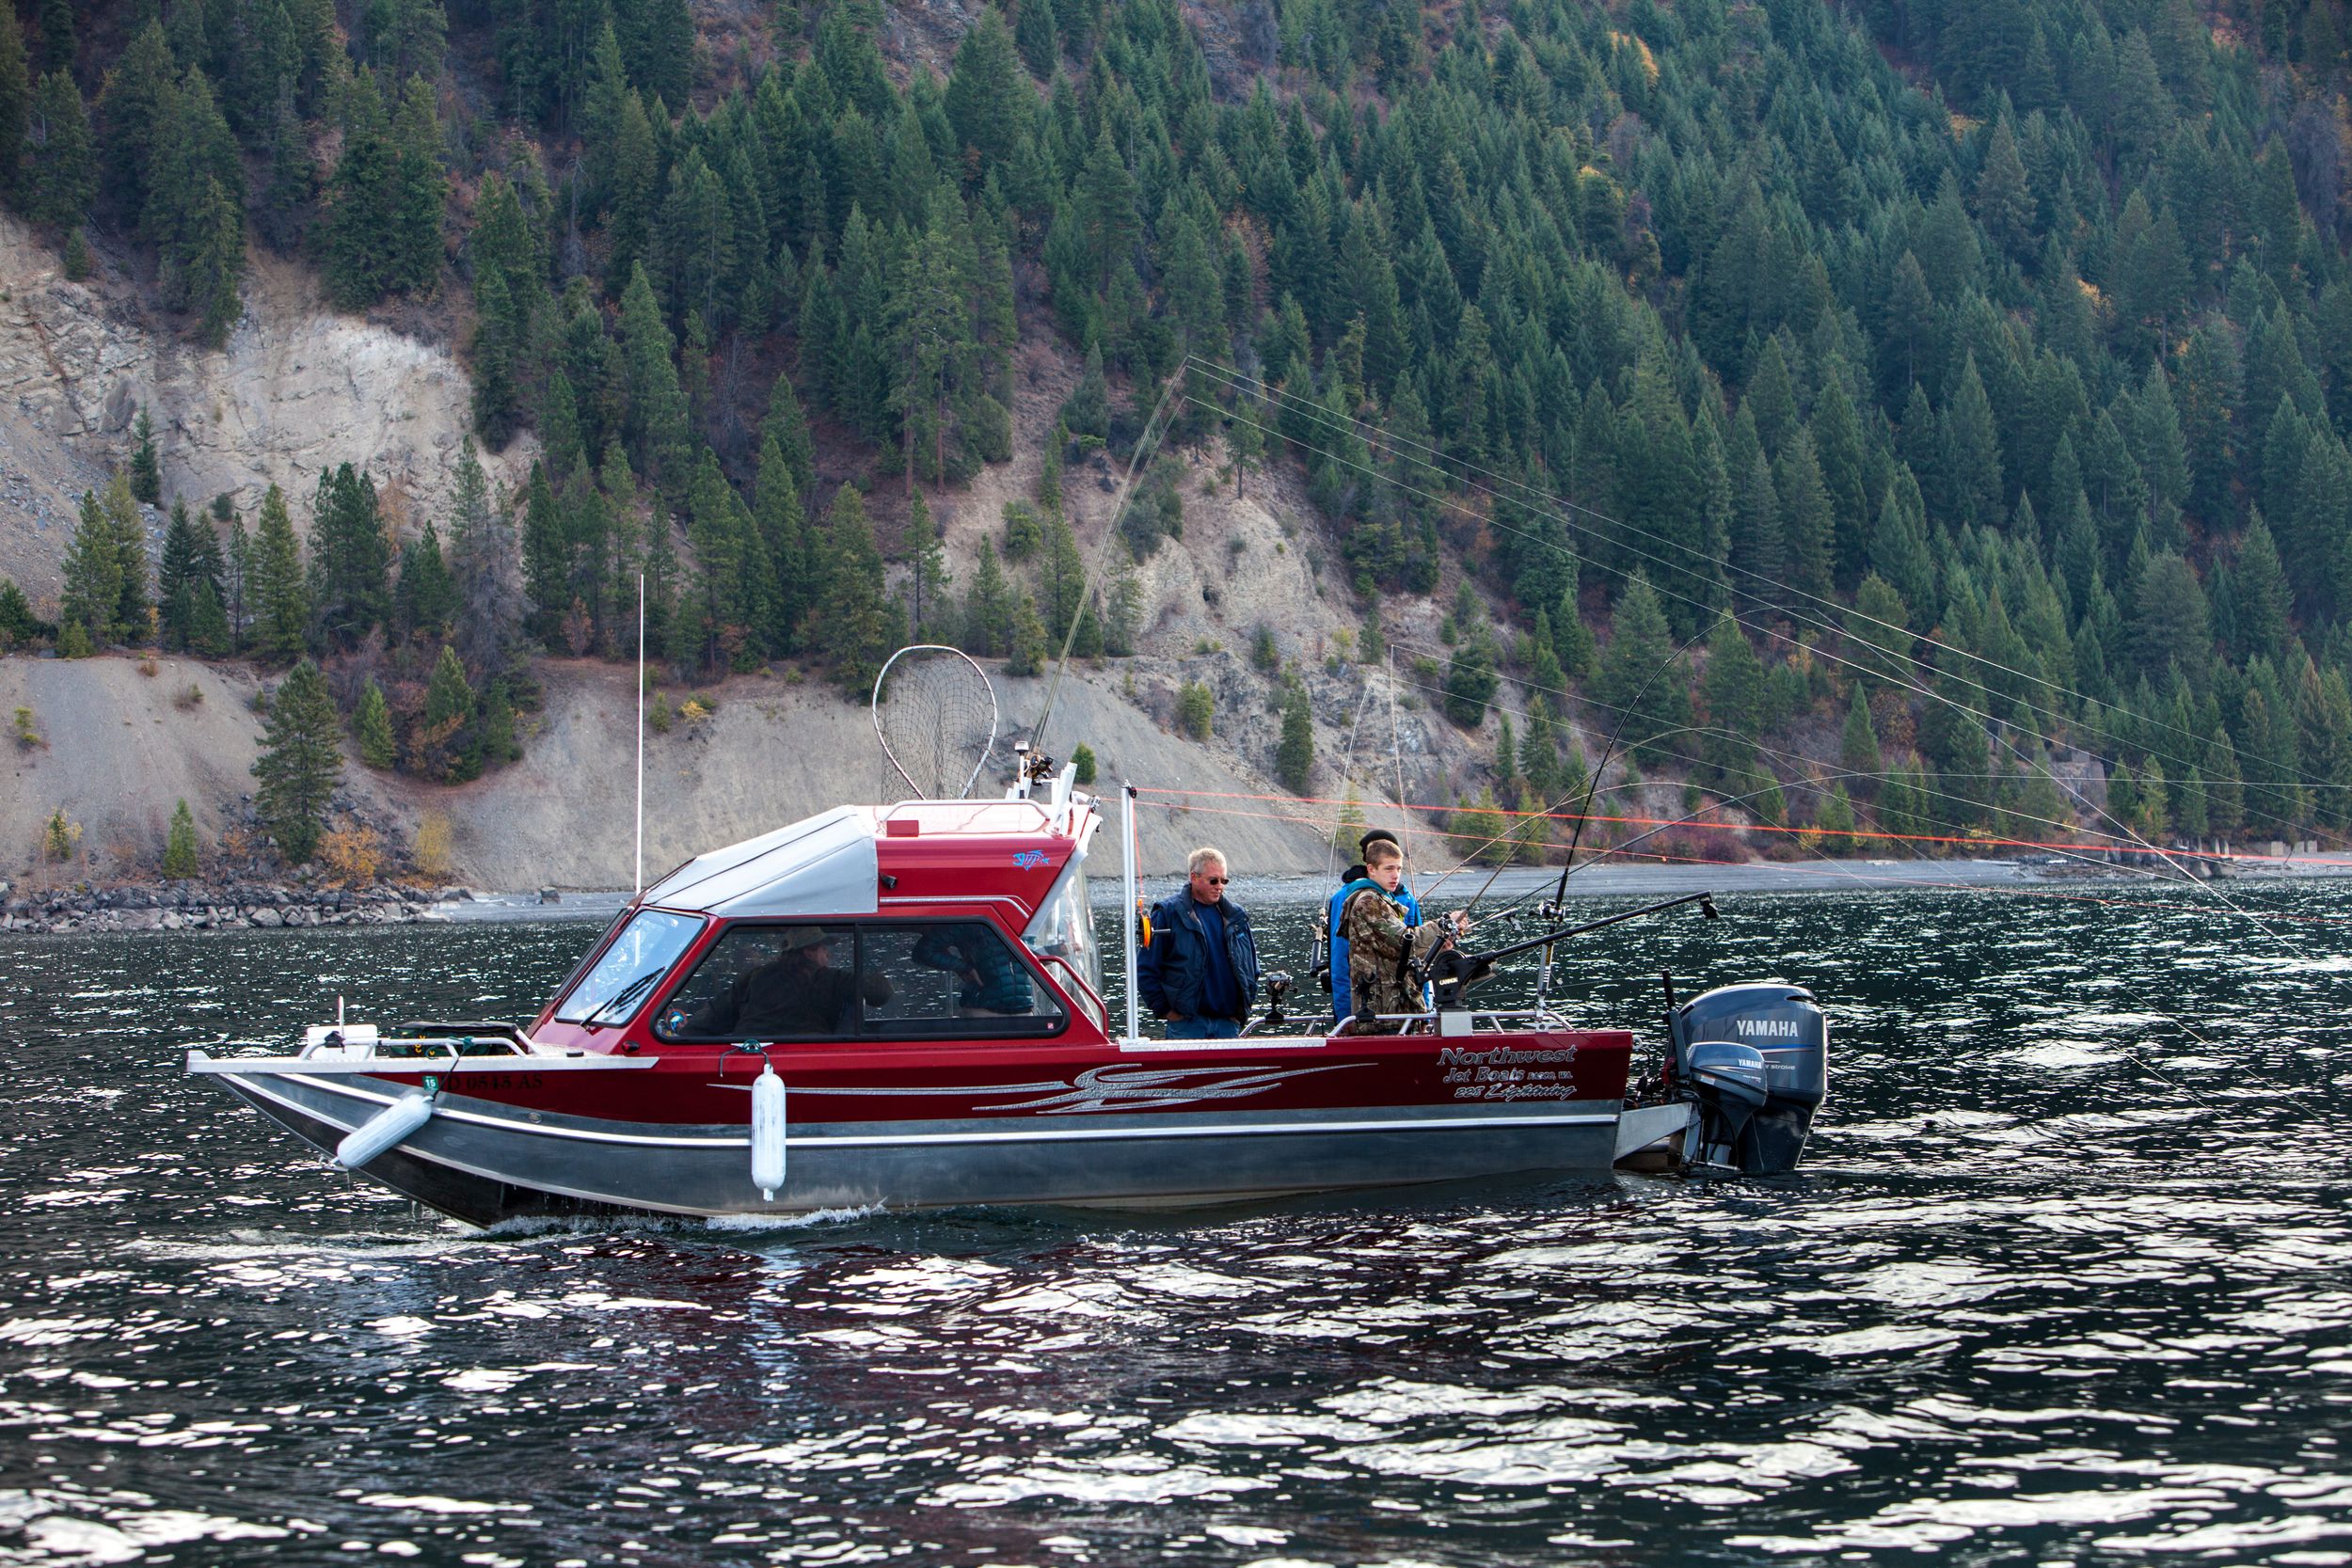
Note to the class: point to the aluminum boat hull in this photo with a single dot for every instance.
(513, 1137)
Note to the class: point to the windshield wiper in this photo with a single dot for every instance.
(626, 993)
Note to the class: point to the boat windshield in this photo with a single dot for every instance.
(1064, 926)
(629, 969)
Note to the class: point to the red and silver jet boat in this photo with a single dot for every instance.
(902, 1006)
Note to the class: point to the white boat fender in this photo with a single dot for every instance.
(390, 1126)
(768, 1132)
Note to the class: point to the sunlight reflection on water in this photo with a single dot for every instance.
(2068, 1274)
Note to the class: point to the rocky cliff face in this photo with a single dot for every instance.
(298, 388)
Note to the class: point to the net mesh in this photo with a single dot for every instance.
(936, 716)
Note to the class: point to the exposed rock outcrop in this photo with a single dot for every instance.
(298, 388)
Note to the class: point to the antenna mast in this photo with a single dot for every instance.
(638, 884)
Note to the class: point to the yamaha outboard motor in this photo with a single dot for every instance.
(1756, 1058)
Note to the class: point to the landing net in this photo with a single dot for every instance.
(936, 715)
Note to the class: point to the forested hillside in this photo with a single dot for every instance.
(1854, 405)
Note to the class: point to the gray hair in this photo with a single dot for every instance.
(1204, 856)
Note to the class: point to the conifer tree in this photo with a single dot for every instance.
(358, 248)
(851, 625)
(426, 599)
(926, 569)
(147, 479)
(1025, 651)
(417, 197)
(276, 590)
(93, 571)
(486, 568)
(180, 851)
(1294, 756)
(1733, 691)
(657, 418)
(59, 176)
(1858, 744)
(988, 608)
(301, 763)
(1637, 683)
(373, 727)
(16, 99)
(546, 559)
(354, 557)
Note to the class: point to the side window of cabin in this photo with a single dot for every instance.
(953, 979)
(773, 982)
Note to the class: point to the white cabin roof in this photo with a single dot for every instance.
(819, 865)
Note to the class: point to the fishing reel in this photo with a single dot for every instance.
(1278, 987)
(1321, 970)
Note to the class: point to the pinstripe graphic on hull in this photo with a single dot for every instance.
(1139, 1157)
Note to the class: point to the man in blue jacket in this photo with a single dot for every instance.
(1201, 968)
(1353, 880)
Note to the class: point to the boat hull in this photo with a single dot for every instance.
(1161, 1131)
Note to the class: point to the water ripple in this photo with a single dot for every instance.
(2068, 1277)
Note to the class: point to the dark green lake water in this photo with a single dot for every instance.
(2061, 1282)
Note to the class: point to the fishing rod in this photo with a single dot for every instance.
(1454, 970)
(1591, 784)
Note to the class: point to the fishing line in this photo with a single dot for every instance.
(1992, 725)
(1234, 378)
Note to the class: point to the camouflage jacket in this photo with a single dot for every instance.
(1379, 946)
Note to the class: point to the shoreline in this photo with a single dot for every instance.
(275, 906)
(1592, 880)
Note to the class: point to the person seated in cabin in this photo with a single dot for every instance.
(1382, 946)
(1334, 939)
(992, 983)
(799, 991)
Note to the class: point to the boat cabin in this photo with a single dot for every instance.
(928, 920)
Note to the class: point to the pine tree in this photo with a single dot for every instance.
(988, 606)
(177, 576)
(417, 195)
(1295, 757)
(850, 623)
(1734, 694)
(60, 177)
(354, 557)
(926, 569)
(546, 557)
(147, 479)
(1470, 682)
(180, 851)
(1834, 821)
(657, 416)
(449, 697)
(1026, 649)
(275, 589)
(93, 571)
(358, 248)
(373, 727)
(301, 763)
(214, 266)
(16, 99)
(426, 599)
(1858, 744)
(1637, 685)
(486, 570)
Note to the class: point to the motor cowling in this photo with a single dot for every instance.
(1756, 1059)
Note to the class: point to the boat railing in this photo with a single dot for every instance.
(417, 1047)
(1471, 1021)
(1075, 984)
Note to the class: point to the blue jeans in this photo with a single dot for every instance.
(1203, 1029)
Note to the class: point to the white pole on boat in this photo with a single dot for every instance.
(1127, 905)
(637, 883)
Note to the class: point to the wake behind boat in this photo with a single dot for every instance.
(902, 1006)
